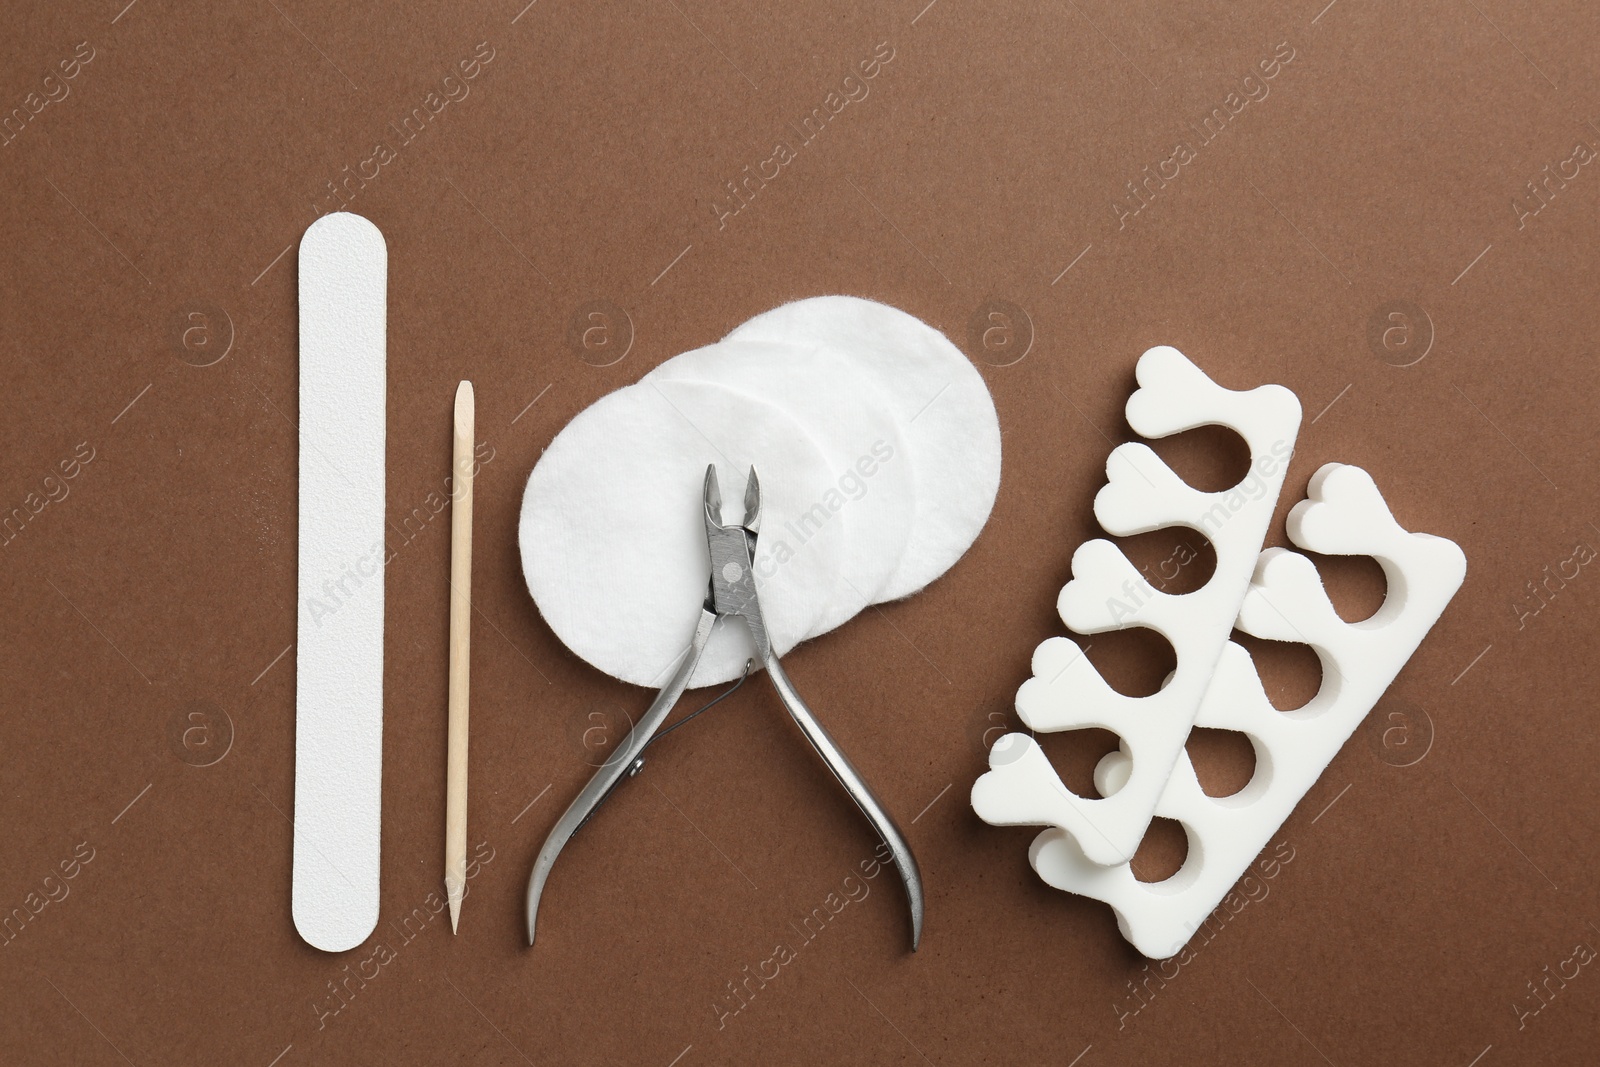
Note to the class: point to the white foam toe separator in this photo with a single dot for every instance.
(1107, 592)
(1343, 515)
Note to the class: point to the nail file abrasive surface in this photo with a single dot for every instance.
(339, 653)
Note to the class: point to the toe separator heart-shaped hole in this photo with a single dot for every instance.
(1135, 662)
(1291, 673)
(1175, 559)
(1074, 755)
(1224, 760)
(1355, 584)
(1209, 458)
(1162, 852)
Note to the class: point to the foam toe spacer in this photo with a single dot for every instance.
(1107, 592)
(1344, 514)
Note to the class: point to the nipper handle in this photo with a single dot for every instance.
(882, 822)
(614, 769)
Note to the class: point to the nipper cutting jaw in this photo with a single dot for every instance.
(730, 593)
(733, 551)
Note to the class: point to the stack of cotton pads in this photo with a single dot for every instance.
(878, 450)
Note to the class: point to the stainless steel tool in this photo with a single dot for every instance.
(731, 594)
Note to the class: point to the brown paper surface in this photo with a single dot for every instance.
(573, 194)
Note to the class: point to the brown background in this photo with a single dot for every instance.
(195, 148)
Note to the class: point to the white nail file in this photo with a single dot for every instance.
(338, 763)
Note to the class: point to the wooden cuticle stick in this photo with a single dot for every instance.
(455, 824)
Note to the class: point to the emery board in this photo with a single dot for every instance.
(338, 773)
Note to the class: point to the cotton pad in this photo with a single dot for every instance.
(613, 537)
(937, 399)
(827, 392)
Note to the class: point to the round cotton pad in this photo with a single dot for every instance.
(827, 393)
(940, 403)
(613, 541)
